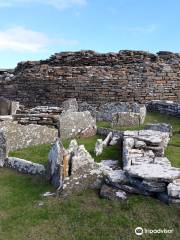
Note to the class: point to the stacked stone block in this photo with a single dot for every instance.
(96, 78)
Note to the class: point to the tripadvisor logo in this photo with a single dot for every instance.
(140, 231)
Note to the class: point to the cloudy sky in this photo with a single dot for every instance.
(35, 29)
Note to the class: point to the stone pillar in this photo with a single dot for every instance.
(3, 148)
(55, 164)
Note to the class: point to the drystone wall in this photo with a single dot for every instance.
(95, 78)
(167, 107)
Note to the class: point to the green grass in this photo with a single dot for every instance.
(84, 216)
(39, 153)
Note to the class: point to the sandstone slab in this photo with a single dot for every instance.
(75, 123)
(154, 172)
(25, 166)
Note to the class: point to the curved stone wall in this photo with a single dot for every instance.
(96, 78)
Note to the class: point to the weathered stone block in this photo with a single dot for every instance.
(24, 166)
(75, 123)
(174, 189)
(81, 159)
(154, 172)
(125, 119)
(18, 136)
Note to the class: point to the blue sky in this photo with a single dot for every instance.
(35, 29)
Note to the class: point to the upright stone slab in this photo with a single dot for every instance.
(21, 136)
(77, 123)
(3, 148)
(5, 106)
(125, 119)
(81, 159)
(55, 161)
(14, 107)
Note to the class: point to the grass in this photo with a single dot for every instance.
(84, 216)
(39, 153)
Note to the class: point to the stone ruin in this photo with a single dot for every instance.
(122, 114)
(15, 134)
(145, 169)
(131, 76)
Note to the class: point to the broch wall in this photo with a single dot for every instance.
(96, 78)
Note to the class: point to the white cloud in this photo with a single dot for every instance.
(59, 4)
(20, 39)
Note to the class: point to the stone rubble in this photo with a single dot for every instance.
(144, 172)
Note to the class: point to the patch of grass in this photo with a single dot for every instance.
(85, 216)
(39, 153)
(175, 140)
(162, 118)
(173, 154)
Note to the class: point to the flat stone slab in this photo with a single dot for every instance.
(162, 161)
(174, 189)
(154, 172)
(6, 118)
(152, 137)
(25, 166)
(141, 160)
(154, 186)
